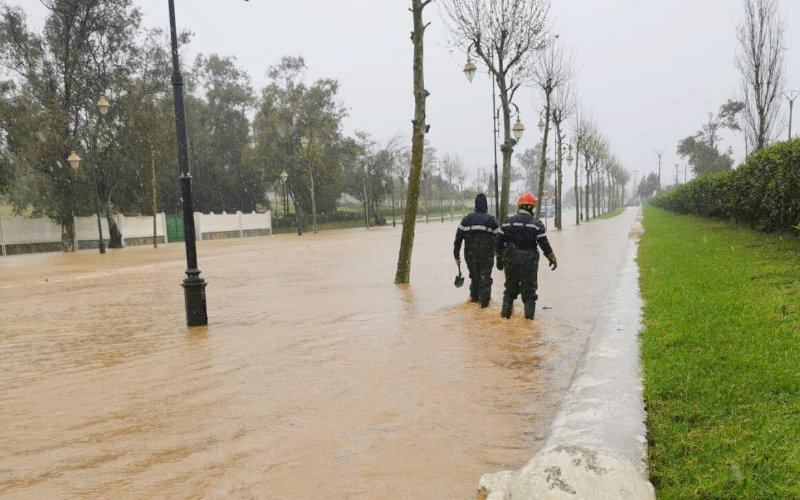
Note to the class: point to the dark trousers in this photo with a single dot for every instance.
(521, 268)
(479, 263)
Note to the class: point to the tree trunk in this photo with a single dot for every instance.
(577, 187)
(68, 235)
(114, 234)
(543, 165)
(507, 148)
(586, 190)
(403, 274)
(559, 177)
(155, 206)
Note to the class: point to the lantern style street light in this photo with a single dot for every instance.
(469, 72)
(283, 177)
(540, 124)
(103, 105)
(75, 162)
(570, 158)
(304, 142)
(469, 69)
(518, 129)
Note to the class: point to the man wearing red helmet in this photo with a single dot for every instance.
(517, 254)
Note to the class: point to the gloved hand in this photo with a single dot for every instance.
(499, 262)
(553, 262)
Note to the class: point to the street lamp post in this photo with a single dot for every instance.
(790, 96)
(74, 160)
(659, 152)
(469, 72)
(394, 224)
(193, 285)
(283, 176)
(304, 141)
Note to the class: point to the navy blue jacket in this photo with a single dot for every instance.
(477, 227)
(523, 231)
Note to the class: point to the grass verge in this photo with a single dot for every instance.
(721, 357)
(609, 215)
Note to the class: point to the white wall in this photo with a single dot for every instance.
(86, 228)
(208, 225)
(17, 230)
(22, 231)
(142, 226)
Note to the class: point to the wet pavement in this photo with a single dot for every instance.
(317, 377)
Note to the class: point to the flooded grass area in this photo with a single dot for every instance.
(316, 376)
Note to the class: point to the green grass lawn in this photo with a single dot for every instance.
(721, 355)
(609, 215)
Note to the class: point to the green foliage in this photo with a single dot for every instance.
(702, 149)
(764, 192)
(719, 352)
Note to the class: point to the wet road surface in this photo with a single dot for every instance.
(317, 377)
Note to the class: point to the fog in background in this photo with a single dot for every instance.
(647, 71)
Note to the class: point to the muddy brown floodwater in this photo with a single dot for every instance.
(317, 377)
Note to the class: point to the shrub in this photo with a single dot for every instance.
(763, 192)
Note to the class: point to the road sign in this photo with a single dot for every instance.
(547, 194)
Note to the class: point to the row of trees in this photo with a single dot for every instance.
(240, 139)
(510, 40)
(760, 61)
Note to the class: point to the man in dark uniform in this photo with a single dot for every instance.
(516, 245)
(478, 229)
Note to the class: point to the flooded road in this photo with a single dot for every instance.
(317, 377)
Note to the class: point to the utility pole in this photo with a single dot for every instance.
(659, 152)
(677, 167)
(790, 96)
(635, 174)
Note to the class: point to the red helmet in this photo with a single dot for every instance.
(526, 199)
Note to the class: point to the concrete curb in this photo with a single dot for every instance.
(597, 445)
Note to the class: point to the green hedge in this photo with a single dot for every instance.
(763, 192)
(291, 221)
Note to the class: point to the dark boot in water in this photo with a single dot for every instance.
(508, 308)
(485, 302)
(530, 310)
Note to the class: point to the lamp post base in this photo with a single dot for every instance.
(194, 291)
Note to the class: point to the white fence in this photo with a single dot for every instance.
(22, 235)
(214, 226)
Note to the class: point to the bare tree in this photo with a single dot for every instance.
(403, 274)
(761, 62)
(452, 168)
(581, 131)
(550, 72)
(563, 107)
(504, 34)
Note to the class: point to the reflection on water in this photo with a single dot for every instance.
(317, 377)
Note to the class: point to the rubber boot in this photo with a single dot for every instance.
(485, 302)
(474, 298)
(508, 308)
(530, 309)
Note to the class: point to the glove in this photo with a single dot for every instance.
(499, 262)
(553, 262)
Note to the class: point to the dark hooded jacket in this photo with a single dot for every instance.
(477, 228)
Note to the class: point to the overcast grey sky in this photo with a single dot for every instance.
(648, 71)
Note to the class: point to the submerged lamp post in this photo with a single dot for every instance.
(283, 177)
(194, 286)
(75, 162)
(304, 141)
